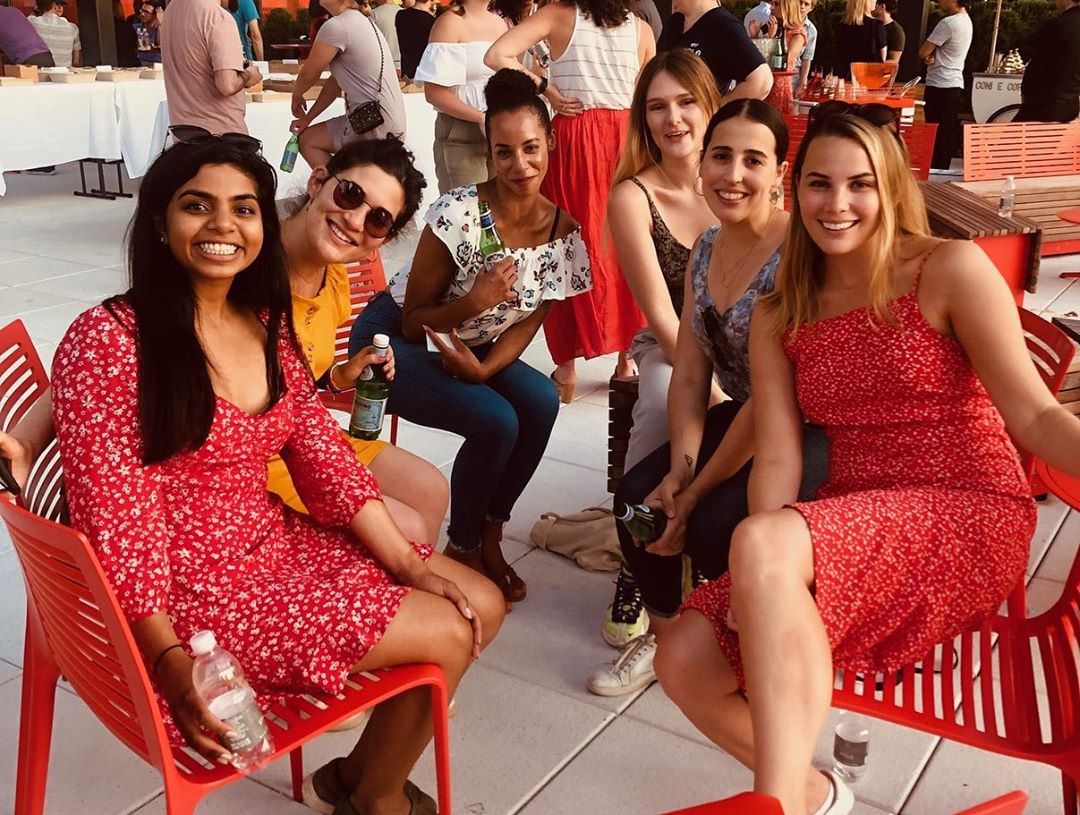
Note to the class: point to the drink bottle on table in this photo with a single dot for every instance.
(644, 523)
(220, 681)
(372, 391)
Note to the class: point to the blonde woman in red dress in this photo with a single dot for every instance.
(907, 351)
(168, 402)
(597, 50)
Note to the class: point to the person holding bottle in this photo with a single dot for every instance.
(344, 216)
(699, 478)
(597, 50)
(479, 317)
(655, 213)
(168, 401)
(908, 352)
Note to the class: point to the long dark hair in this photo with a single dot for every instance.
(605, 13)
(176, 397)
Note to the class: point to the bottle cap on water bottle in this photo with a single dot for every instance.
(203, 642)
(380, 341)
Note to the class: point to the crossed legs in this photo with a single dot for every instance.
(786, 662)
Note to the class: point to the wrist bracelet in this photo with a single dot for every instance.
(330, 379)
(161, 656)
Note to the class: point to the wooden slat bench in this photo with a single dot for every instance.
(1012, 243)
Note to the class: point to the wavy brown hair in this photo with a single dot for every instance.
(794, 301)
(605, 13)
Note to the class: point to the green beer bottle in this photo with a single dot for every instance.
(369, 401)
(644, 523)
(492, 246)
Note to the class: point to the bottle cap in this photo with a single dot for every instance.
(203, 642)
(380, 341)
(623, 512)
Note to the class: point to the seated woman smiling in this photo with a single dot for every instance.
(168, 402)
(477, 386)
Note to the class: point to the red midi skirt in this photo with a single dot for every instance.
(605, 319)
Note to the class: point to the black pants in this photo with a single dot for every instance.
(943, 108)
(1048, 110)
(42, 60)
(711, 524)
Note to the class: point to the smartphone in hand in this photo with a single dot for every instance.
(7, 480)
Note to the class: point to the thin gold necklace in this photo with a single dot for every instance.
(728, 279)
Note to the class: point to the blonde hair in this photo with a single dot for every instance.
(791, 13)
(794, 301)
(689, 70)
(856, 11)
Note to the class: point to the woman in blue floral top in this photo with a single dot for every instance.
(478, 319)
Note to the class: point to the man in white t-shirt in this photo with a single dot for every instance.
(944, 53)
(59, 33)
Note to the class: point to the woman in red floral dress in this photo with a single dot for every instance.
(908, 351)
(168, 402)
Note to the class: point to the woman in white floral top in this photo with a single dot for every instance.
(479, 319)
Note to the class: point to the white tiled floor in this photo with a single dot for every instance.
(527, 737)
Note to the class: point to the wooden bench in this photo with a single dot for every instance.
(1012, 243)
(1044, 158)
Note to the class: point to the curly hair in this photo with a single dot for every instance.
(605, 13)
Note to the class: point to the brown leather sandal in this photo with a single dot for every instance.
(500, 572)
(420, 803)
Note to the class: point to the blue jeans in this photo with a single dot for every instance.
(506, 422)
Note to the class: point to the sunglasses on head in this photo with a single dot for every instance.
(349, 195)
(193, 134)
(873, 112)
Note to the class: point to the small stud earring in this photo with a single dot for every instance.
(164, 239)
(774, 196)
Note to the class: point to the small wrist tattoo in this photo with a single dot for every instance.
(689, 461)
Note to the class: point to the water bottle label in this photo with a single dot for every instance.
(367, 415)
(250, 729)
(850, 753)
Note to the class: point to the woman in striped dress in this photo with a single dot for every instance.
(597, 48)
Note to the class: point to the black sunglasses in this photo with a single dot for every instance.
(349, 195)
(874, 112)
(193, 134)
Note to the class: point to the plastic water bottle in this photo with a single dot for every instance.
(292, 150)
(369, 400)
(1008, 197)
(851, 746)
(220, 680)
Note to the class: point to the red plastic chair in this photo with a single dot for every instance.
(22, 376)
(1013, 803)
(1052, 352)
(75, 628)
(366, 279)
(753, 803)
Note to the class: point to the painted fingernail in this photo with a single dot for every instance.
(468, 613)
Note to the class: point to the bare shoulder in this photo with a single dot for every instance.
(626, 197)
(449, 27)
(956, 263)
(567, 224)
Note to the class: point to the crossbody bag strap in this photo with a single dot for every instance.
(382, 59)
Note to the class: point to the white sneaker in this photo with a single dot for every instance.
(840, 800)
(632, 671)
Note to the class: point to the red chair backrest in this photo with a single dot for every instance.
(22, 376)
(918, 137)
(745, 803)
(70, 600)
(366, 279)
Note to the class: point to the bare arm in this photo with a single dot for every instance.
(28, 438)
(757, 85)
(76, 58)
(432, 271)
(330, 91)
(926, 51)
(255, 35)
(629, 220)
(646, 44)
(504, 52)
(318, 61)
(795, 47)
(229, 82)
(445, 101)
(804, 74)
(984, 318)
(778, 427)
(513, 342)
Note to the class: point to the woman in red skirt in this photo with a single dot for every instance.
(597, 49)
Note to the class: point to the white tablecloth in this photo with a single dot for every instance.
(50, 123)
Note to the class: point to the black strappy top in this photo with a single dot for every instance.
(671, 254)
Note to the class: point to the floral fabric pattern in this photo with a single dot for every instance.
(725, 336)
(296, 598)
(552, 271)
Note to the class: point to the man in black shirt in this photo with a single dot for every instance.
(1051, 88)
(716, 36)
(413, 28)
(895, 38)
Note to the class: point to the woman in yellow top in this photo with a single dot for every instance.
(343, 218)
